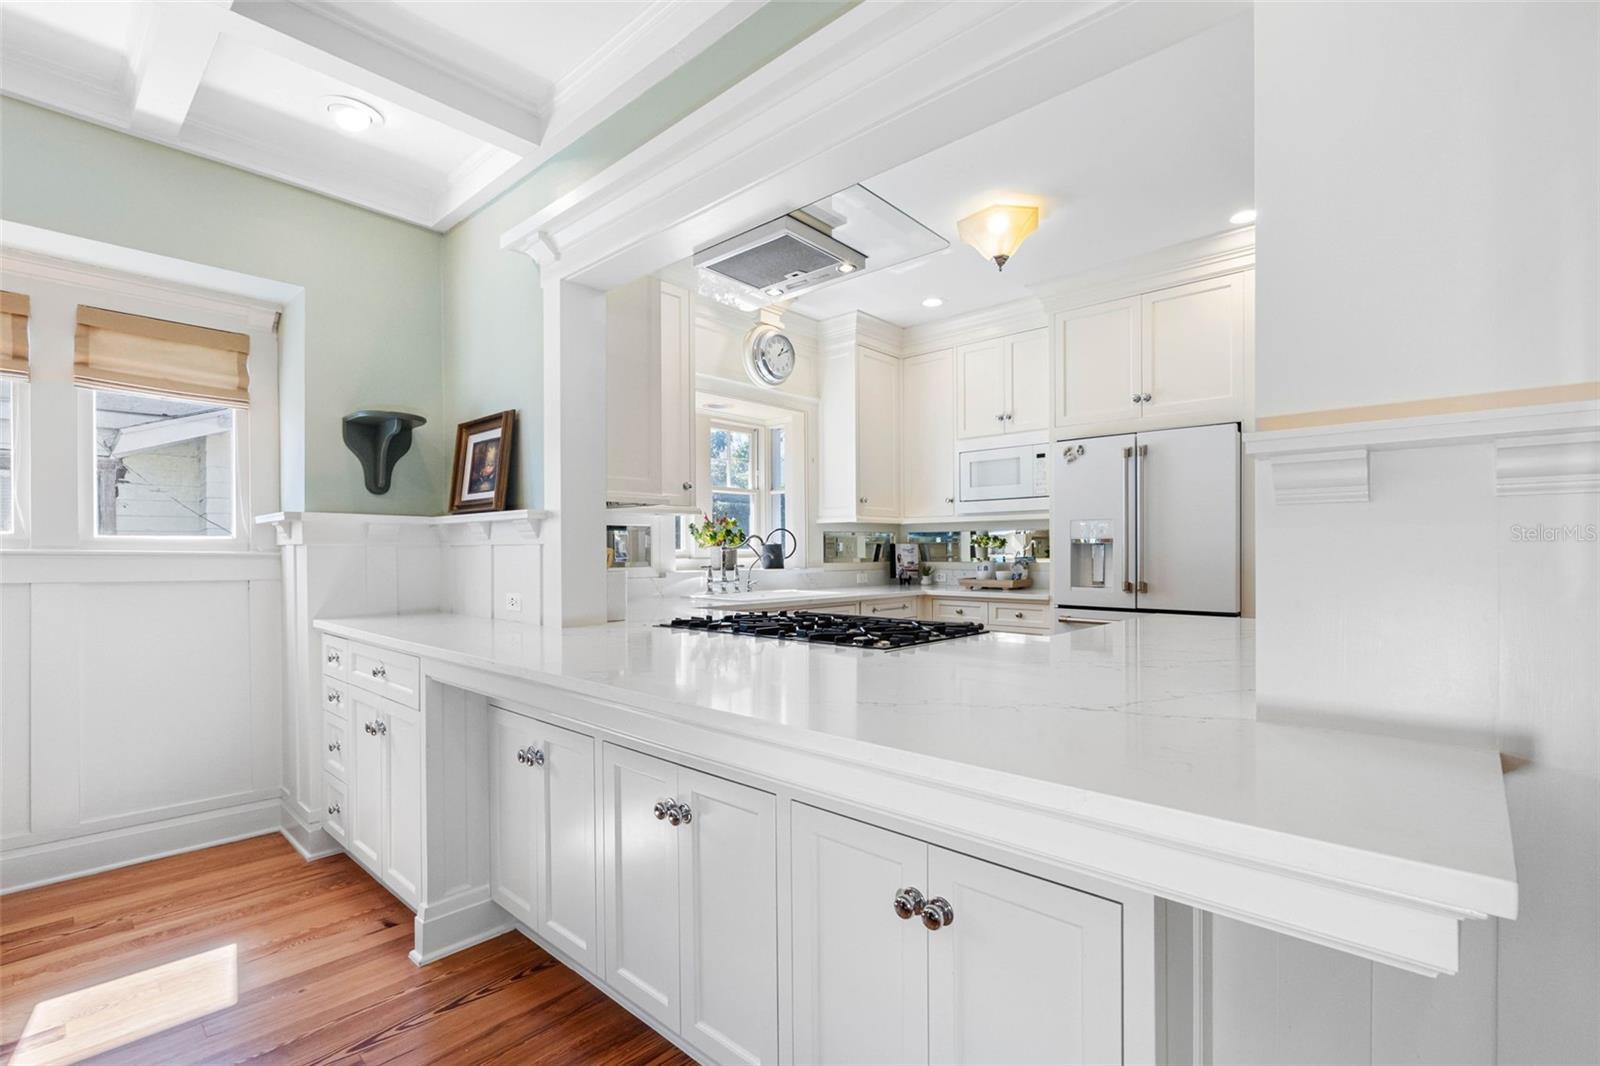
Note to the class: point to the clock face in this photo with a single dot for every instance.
(771, 358)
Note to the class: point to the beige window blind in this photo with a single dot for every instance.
(138, 354)
(13, 333)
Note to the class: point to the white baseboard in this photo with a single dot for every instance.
(63, 860)
(444, 929)
(312, 842)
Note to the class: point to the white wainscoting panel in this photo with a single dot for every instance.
(16, 633)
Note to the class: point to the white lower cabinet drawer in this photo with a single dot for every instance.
(960, 611)
(912, 953)
(691, 903)
(1029, 617)
(333, 789)
(335, 697)
(385, 672)
(895, 608)
(336, 740)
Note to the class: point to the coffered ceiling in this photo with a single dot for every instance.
(471, 94)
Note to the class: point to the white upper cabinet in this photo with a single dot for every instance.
(1003, 385)
(1099, 378)
(650, 394)
(927, 436)
(1171, 357)
(859, 447)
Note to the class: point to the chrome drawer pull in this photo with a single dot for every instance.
(333, 658)
(335, 746)
(379, 671)
(333, 808)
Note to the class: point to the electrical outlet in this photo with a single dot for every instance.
(861, 577)
(514, 601)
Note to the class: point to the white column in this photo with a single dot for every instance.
(574, 453)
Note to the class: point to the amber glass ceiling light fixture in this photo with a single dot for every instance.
(998, 230)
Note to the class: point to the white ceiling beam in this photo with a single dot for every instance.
(169, 61)
(311, 38)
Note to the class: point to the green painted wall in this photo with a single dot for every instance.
(492, 322)
(372, 322)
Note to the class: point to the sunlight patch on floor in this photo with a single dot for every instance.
(108, 1015)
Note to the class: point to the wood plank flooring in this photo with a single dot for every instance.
(269, 958)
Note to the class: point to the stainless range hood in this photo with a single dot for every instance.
(781, 258)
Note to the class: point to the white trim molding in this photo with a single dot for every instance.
(1525, 466)
(1321, 477)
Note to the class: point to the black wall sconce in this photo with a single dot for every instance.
(379, 439)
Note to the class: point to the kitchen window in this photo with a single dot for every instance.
(7, 451)
(735, 475)
(746, 468)
(164, 466)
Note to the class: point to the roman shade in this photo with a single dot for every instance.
(138, 354)
(13, 333)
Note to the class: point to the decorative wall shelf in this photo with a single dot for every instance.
(524, 524)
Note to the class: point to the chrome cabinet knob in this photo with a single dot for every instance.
(687, 485)
(862, 500)
(530, 756)
(334, 697)
(333, 808)
(370, 728)
(908, 902)
(961, 610)
(1019, 614)
(335, 746)
(662, 808)
(999, 418)
(1145, 398)
(937, 913)
(1136, 398)
(376, 729)
(680, 814)
(333, 658)
(382, 726)
(379, 671)
(949, 499)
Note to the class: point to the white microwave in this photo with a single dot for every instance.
(1013, 477)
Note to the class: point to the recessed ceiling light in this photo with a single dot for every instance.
(1243, 218)
(845, 268)
(774, 292)
(352, 115)
(933, 301)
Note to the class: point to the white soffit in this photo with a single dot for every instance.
(1150, 155)
(474, 93)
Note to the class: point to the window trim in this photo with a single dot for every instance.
(19, 533)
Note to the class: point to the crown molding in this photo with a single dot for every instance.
(859, 328)
(1526, 466)
(1207, 257)
(999, 321)
(1321, 477)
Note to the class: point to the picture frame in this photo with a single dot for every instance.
(480, 476)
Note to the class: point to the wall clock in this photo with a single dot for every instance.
(768, 356)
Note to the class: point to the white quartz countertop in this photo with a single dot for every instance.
(1146, 724)
(760, 598)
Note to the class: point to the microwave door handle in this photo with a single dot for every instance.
(1139, 478)
(1127, 525)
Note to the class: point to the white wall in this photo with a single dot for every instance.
(1425, 176)
(1427, 181)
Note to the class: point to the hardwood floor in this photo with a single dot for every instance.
(290, 962)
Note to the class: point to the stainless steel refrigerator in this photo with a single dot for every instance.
(1147, 521)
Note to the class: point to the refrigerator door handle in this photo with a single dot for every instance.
(1143, 452)
(1127, 525)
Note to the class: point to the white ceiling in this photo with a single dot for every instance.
(474, 93)
(1150, 155)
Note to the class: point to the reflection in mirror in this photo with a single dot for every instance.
(851, 546)
(937, 545)
(1004, 545)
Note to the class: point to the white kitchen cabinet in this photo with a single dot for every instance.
(1171, 357)
(927, 435)
(650, 395)
(691, 904)
(542, 812)
(1020, 970)
(1029, 971)
(859, 445)
(1003, 385)
(1098, 377)
(384, 816)
(1192, 358)
(860, 989)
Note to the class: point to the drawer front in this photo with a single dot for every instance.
(333, 791)
(336, 740)
(960, 611)
(906, 608)
(335, 657)
(1029, 616)
(335, 697)
(385, 672)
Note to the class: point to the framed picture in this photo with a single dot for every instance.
(481, 477)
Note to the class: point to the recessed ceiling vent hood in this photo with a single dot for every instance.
(782, 258)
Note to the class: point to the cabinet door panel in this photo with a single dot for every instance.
(568, 895)
(1098, 373)
(980, 389)
(1029, 970)
(402, 868)
(927, 435)
(878, 436)
(1193, 361)
(860, 989)
(1028, 381)
(641, 889)
(729, 928)
(367, 768)
(514, 807)
(677, 396)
